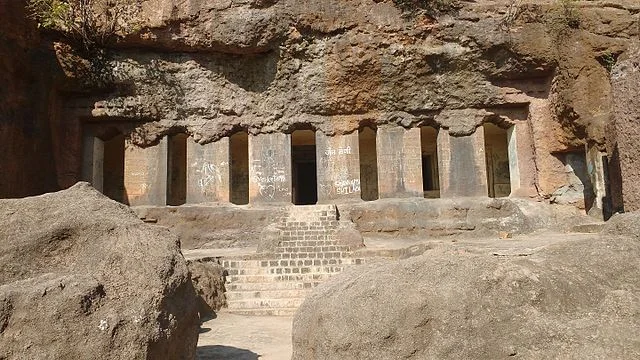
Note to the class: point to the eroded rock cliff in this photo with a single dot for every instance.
(210, 68)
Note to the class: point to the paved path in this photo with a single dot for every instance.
(237, 337)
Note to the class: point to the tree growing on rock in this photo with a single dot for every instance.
(92, 23)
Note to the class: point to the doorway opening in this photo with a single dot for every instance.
(177, 170)
(113, 168)
(430, 173)
(303, 166)
(239, 154)
(496, 147)
(368, 163)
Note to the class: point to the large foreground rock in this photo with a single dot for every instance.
(576, 299)
(81, 277)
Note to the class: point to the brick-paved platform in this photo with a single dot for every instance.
(276, 283)
(308, 253)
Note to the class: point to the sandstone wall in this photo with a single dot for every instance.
(211, 69)
(27, 166)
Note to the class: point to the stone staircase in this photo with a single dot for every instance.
(307, 254)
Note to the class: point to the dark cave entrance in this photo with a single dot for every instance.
(113, 168)
(303, 161)
(177, 170)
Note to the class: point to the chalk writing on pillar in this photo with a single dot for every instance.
(209, 174)
(136, 183)
(338, 151)
(273, 180)
(345, 187)
(270, 179)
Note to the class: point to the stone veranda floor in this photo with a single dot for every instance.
(240, 337)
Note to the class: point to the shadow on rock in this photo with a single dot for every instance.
(220, 352)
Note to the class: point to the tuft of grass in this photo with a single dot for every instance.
(92, 23)
(432, 8)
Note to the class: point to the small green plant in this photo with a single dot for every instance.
(93, 23)
(562, 18)
(432, 8)
(608, 61)
(511, 15)
(571, 13)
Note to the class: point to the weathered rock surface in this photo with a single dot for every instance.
(574, 299)
(213, 226)
(470, 216)
(624, 132)
(208, 281)
(271, 64)
(82, 278)
(213, 68)
(624, 224)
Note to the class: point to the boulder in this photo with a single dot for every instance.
(208, 281)
(81, 277)
(627, 224)
(574, 299)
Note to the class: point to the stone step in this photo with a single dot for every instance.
(233, 263)
(311, 224)
(306, 261)
(267, 294)
(264, 303)
(311, 256)
(592, 228)
(306, 277)
(280, 285)
(312, 270)
(263, 311)
(307, 243)
(248, 271)
(312, 248)
(263, 265)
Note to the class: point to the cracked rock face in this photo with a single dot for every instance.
(212, 67)
(82, 277)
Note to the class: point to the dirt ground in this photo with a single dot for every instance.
(237, 337)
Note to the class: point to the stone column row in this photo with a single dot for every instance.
(461, 160)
